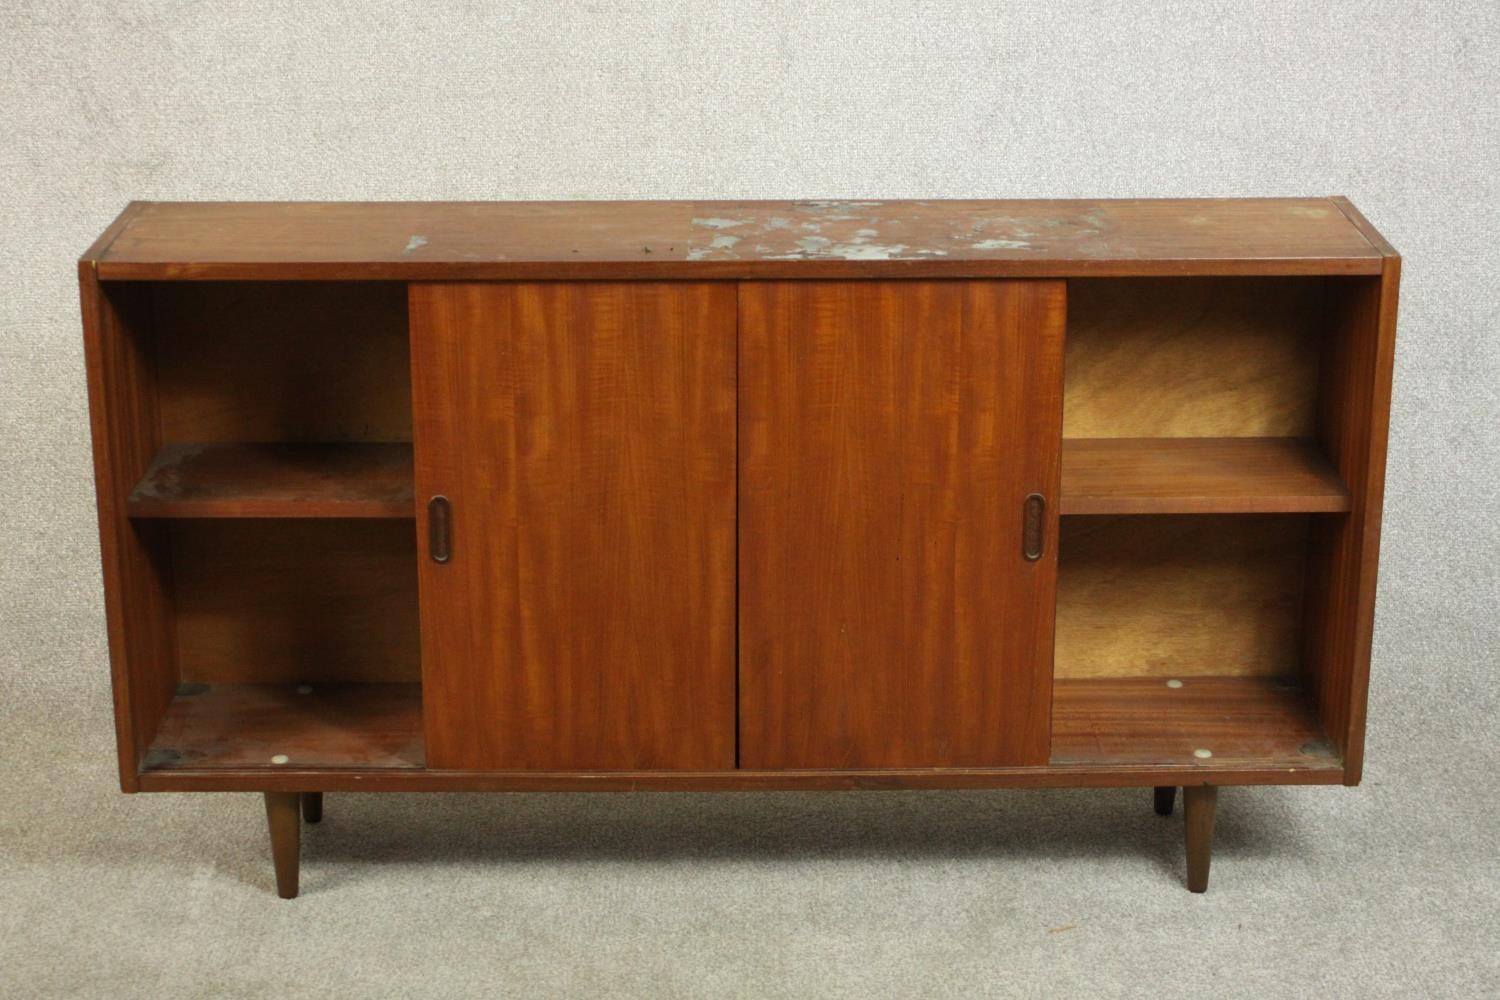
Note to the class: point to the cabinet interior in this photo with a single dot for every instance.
(1197, 492)
(278, 509)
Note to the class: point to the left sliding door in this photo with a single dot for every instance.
(576, 445)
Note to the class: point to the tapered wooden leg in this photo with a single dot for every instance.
(286, 840)
(1198, 803)
(1166, 795)
(312, 807)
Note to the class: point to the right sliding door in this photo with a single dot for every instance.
(898, 477)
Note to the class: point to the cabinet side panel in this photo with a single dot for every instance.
(583, 435)
(135, 558)
(1353, 426)
(889, 434)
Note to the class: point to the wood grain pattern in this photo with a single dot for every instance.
(277, 480)
(736, 239)
(1268, 722)
(283, 361)
(137, 572)
(232, 726)
(1198, 476)
(1192, 357)
(1180, 596)
(889, 434)
(289, 601)
(1354, 424)
(584, 436)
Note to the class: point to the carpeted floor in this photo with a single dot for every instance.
(1387, 890)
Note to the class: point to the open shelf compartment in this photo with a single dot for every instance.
(290, 726)
(1199, 396)
(1181, 642)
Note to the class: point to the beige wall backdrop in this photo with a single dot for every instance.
(1396, 105)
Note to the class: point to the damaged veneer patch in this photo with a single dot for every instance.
(856, 230)
(825, 230)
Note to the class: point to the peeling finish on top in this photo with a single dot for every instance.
(941, 238)
(857, 230)
(723, 241)
(716, 223)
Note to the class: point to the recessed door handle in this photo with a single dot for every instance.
(439, 529)
(1033, 526)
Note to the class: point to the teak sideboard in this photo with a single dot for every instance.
(739, 495)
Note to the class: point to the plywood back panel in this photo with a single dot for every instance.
(289, 601)
(283, 361)
(1192, 357)
(1180, 596)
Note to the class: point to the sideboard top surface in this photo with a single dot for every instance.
(583, 240)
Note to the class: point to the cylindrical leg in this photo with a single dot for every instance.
(286, 840)
(1198, 803)
(312, 806)
(1166, 795)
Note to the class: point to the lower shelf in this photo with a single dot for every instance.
(1202, 722)
(1205, 730)
(290, 727)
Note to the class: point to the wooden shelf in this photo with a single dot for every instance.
(277, 480)
(1239, 721)
(314, 726)
(1260, 723)
(1198, 476)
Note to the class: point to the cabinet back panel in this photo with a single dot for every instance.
(286, 601)
(283, 361)
(1180, 596)
(1192, 357)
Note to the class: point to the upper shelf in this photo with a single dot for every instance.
(736, 239)
(277, 480)
(1198, 476)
